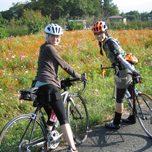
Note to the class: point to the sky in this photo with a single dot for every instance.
(133, 5)
(123, 5)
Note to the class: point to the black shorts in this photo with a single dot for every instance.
(121, 93)
(51, 95)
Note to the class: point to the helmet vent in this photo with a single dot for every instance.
(56, 29)
(97, 28)
(53, 30)
(48, 28)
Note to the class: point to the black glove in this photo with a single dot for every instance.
(137, 77)
(83, 78)
(136, 74)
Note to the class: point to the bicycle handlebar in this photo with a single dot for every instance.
(136, 79)
(68, 80)
(102, 68)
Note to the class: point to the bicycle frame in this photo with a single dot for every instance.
(31, 137)
(135, 90)
(35, 114)
(38, 142)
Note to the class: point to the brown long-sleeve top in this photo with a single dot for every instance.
(48, 63)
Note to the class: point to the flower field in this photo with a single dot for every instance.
(18, 66)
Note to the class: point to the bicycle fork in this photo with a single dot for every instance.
(81, 117)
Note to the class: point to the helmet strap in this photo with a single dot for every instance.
(101, 51)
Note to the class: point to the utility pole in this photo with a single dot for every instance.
(102, 4)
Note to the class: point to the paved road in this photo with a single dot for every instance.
(129, 138)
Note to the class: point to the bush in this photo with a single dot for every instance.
(17, 30)
(60, 21)
(34, 20)
(30, 22)
(137, 25)
(73, 25)
(3, 33)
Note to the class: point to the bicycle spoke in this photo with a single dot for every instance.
(144, 113)
(78, 118)
(13, 133)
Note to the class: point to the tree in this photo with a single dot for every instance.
(3, 22)
(132, 15)
(62, 8)
(34, 20)
(110, 9)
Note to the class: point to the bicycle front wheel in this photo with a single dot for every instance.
(15, 136)
(144, 113)
(78, 118)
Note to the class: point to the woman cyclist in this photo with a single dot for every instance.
(117, 56)
(48, 62)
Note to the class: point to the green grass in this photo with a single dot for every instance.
(81, 51)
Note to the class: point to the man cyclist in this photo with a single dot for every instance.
(48, 62)
(117, 56)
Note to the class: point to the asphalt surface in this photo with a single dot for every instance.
(129, 138)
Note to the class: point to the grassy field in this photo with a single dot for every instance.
(18, 66)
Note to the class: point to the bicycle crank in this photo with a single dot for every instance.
(55, 141)
(23, 146)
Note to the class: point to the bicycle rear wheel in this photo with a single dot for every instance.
(78, 118)
(16, 134)
(144, 113)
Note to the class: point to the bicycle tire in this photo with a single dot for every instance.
(11, 135)
(144, 113)
(79, 125)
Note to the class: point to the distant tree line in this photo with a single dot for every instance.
(62, 8)
(33, 16)
(135, 15)
(71, 9)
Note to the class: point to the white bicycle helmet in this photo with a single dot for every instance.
(53, 29)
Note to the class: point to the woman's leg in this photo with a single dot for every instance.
(59, 110)
(67, 132)
(131, 119)
(119, 105)
(57, 105)
(119, 109)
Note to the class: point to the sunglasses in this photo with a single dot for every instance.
(54, 36)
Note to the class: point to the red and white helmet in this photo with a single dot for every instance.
(53, 29)
(99, 26)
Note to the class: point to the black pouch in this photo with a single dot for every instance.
(29, 94)
(54, 96)
(58, 95)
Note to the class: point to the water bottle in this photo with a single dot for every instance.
(127, 95)
(136, 92)
(55, 125)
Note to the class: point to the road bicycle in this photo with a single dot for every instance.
(141, 106)
(29, 132)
